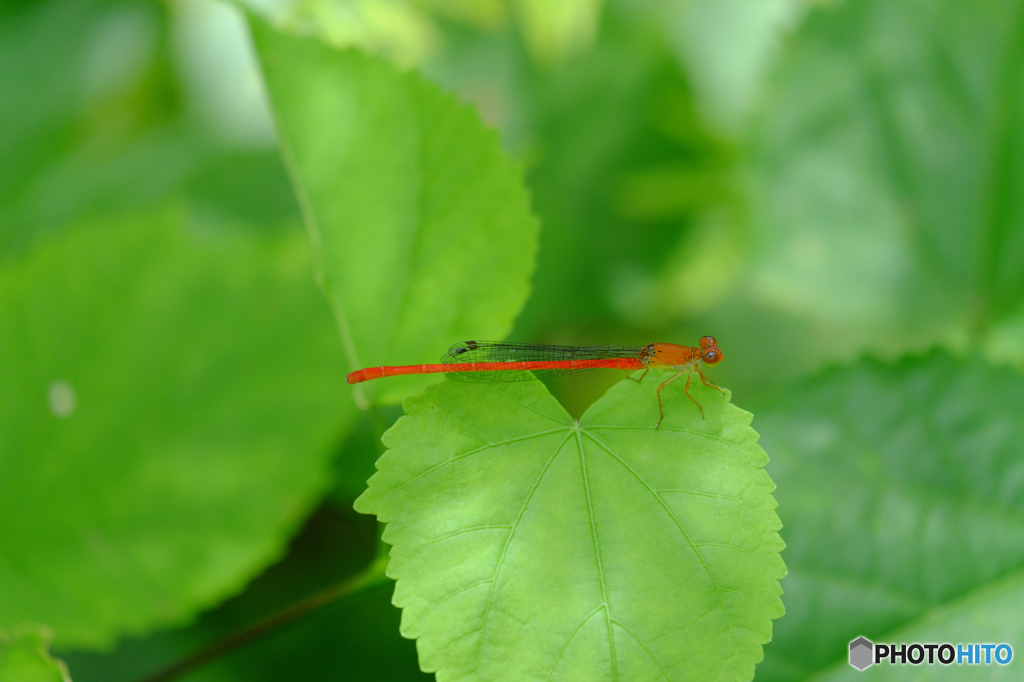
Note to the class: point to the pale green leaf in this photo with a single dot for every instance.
(628, 184)
(529, 546)
(421, 225)
(24, 656)
(400, 31)
(169, 399)
(555, 29)
(992, 615)
(888, 177)
(94, 120)
(901, 487)
(727, 48)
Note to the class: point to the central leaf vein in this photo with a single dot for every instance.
(508, 541)
(597, 554)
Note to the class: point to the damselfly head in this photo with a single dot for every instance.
(709, 353)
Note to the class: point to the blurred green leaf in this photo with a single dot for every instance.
(170, 401)
(902, 492)
(94, 120)
(354, 464)
(50, 71)
(991, 615)
(624, 175)
(24, 657)
(727, 48)
(889, 193)
(86, 120)
(357, 634)
(554, 29)
(397, 30)
(250, 187)
(421, 226)
(529, 545)
(487, 15)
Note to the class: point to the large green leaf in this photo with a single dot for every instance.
(93, 120)
(85, 100)
(168, 402)
(24, 657)
(353, 638)
(421, 226)
(528, 545)
(902, 490)
(890, 172)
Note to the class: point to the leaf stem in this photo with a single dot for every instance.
(371, 575)
(379, 426)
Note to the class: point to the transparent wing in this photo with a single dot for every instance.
(461, 355)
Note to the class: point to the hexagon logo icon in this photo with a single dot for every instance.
(861, 653)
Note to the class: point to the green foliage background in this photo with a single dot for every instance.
(833, 189)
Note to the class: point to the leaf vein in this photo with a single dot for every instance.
(565, 648)
(531, 409)
(644, 647)
(469, 454)
(448, 536)
(736, 549)
(597, 555)
(504, 549)
(686, 536)
(438, 602)
(730, 443)
(695, 492)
